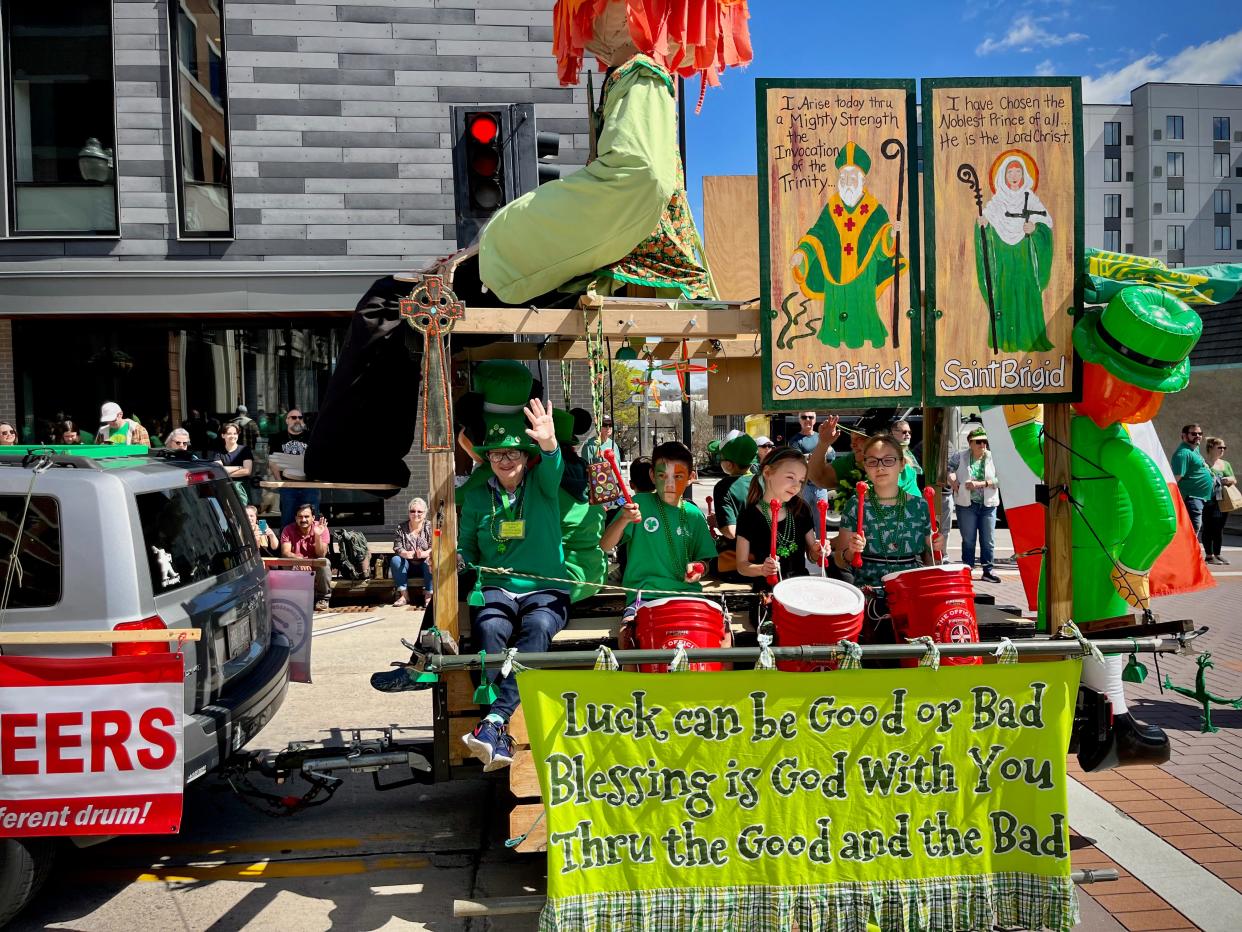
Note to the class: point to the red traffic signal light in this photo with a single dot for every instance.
(483, 128)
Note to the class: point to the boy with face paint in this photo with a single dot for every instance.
(667, 538)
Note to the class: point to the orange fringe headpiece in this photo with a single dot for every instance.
(687, 37)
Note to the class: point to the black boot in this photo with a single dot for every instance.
(1139, 743)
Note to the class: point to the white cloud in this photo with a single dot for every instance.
(1218, 61)
(1025, 35)
(1046, 67)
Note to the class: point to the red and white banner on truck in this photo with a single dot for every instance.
(91, 746)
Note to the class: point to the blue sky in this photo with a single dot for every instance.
(1113, 46)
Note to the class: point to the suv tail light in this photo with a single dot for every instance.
(136, 648)
(199, 475)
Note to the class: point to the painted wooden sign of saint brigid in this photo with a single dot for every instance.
(839, 242)
(1003, 218)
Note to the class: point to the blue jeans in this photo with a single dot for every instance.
(293, 499)
(1194, 507)
(401, 567)
(533, 616)
(972, 519)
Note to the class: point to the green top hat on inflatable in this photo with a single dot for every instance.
(505, 386)
(570, 425)
(742, 450)
(1142, 336)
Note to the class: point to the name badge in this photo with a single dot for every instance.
(513, 530)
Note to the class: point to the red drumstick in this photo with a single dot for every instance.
(929, 496)
(612, 461)
(822, 505)
(860, 489)
(776, 510)
(709, 506)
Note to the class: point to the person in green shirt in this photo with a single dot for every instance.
(1194, 479)
(667, 538)
(736, 458)
(512, 523)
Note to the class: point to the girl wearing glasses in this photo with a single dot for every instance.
(896, 527)
(976, 493)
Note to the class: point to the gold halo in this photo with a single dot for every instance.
(1031, 170)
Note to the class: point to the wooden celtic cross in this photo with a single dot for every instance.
(432, 309)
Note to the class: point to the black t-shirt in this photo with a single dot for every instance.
(755, 527)
(237, 458)
(285, 442)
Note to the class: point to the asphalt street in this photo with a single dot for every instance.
(365, 860)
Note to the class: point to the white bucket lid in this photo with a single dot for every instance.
(816, 595)
(942, 568)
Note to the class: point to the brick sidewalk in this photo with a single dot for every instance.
(1194, 802)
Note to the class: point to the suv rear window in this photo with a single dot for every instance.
(35, 581)
(190, 534)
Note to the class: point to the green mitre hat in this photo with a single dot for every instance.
(853, 154)
(1143, 336)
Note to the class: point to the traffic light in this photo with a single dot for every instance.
(498, 155)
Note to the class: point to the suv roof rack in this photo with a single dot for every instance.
(86, 455)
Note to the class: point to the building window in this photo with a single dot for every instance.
(1112, 205)
(61, 122)
(1222, 237)
(1112, 169)
(1220, 129)
(201, 119)
(1175, 164)
(1177, 201)
(1221, 199)
(1176, 237)
(1174, 127)
(1112, 134)
(1112, 240)
(1220, 164)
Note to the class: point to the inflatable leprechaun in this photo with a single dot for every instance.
(1135, 350)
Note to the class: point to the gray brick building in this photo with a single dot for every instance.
(188, 226)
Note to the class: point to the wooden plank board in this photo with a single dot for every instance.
(523, 776)
(736, 385)
(460, 691)
(698, 347)
(308, 484)
(618, 321)
(106, 636)
(521, 819)
(731, 234)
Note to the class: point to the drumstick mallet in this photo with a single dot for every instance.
(929, 496)
(616, 472)
(860, 489)
(822, 505)
(776, 510)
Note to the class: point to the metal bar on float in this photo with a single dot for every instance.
(577, 658)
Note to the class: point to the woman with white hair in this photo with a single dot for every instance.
(412, 551)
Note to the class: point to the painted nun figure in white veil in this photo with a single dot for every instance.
(1017, 229)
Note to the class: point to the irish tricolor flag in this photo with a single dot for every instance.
(1179, 569)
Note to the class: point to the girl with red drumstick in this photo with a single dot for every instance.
(894, 531)
(793, 530)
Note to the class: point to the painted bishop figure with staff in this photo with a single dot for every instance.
(849, 258)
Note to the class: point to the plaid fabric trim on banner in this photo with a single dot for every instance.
(917, 905)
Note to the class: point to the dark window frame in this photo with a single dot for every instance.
(9, 154)
(33, 513)
(1112, 163)
(1217, 122)
(1110, 234)
(1175, 123)
(1117, 138)
(220, 75)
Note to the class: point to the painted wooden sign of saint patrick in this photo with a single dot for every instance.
(838, 243)
(1003, 221)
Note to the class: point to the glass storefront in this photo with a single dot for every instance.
(164, 376)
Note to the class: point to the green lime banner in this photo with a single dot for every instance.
(912, 799)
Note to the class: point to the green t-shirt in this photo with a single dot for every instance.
(660, 546)
(539, 550)
(1194, 479)
(1220, 469)
(734, 501)
(893, 532)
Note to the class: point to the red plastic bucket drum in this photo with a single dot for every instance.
(667, 624)
(814, 611)
(934, 601)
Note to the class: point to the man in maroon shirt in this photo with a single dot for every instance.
(307, 539)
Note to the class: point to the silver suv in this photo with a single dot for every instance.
(140, 541)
